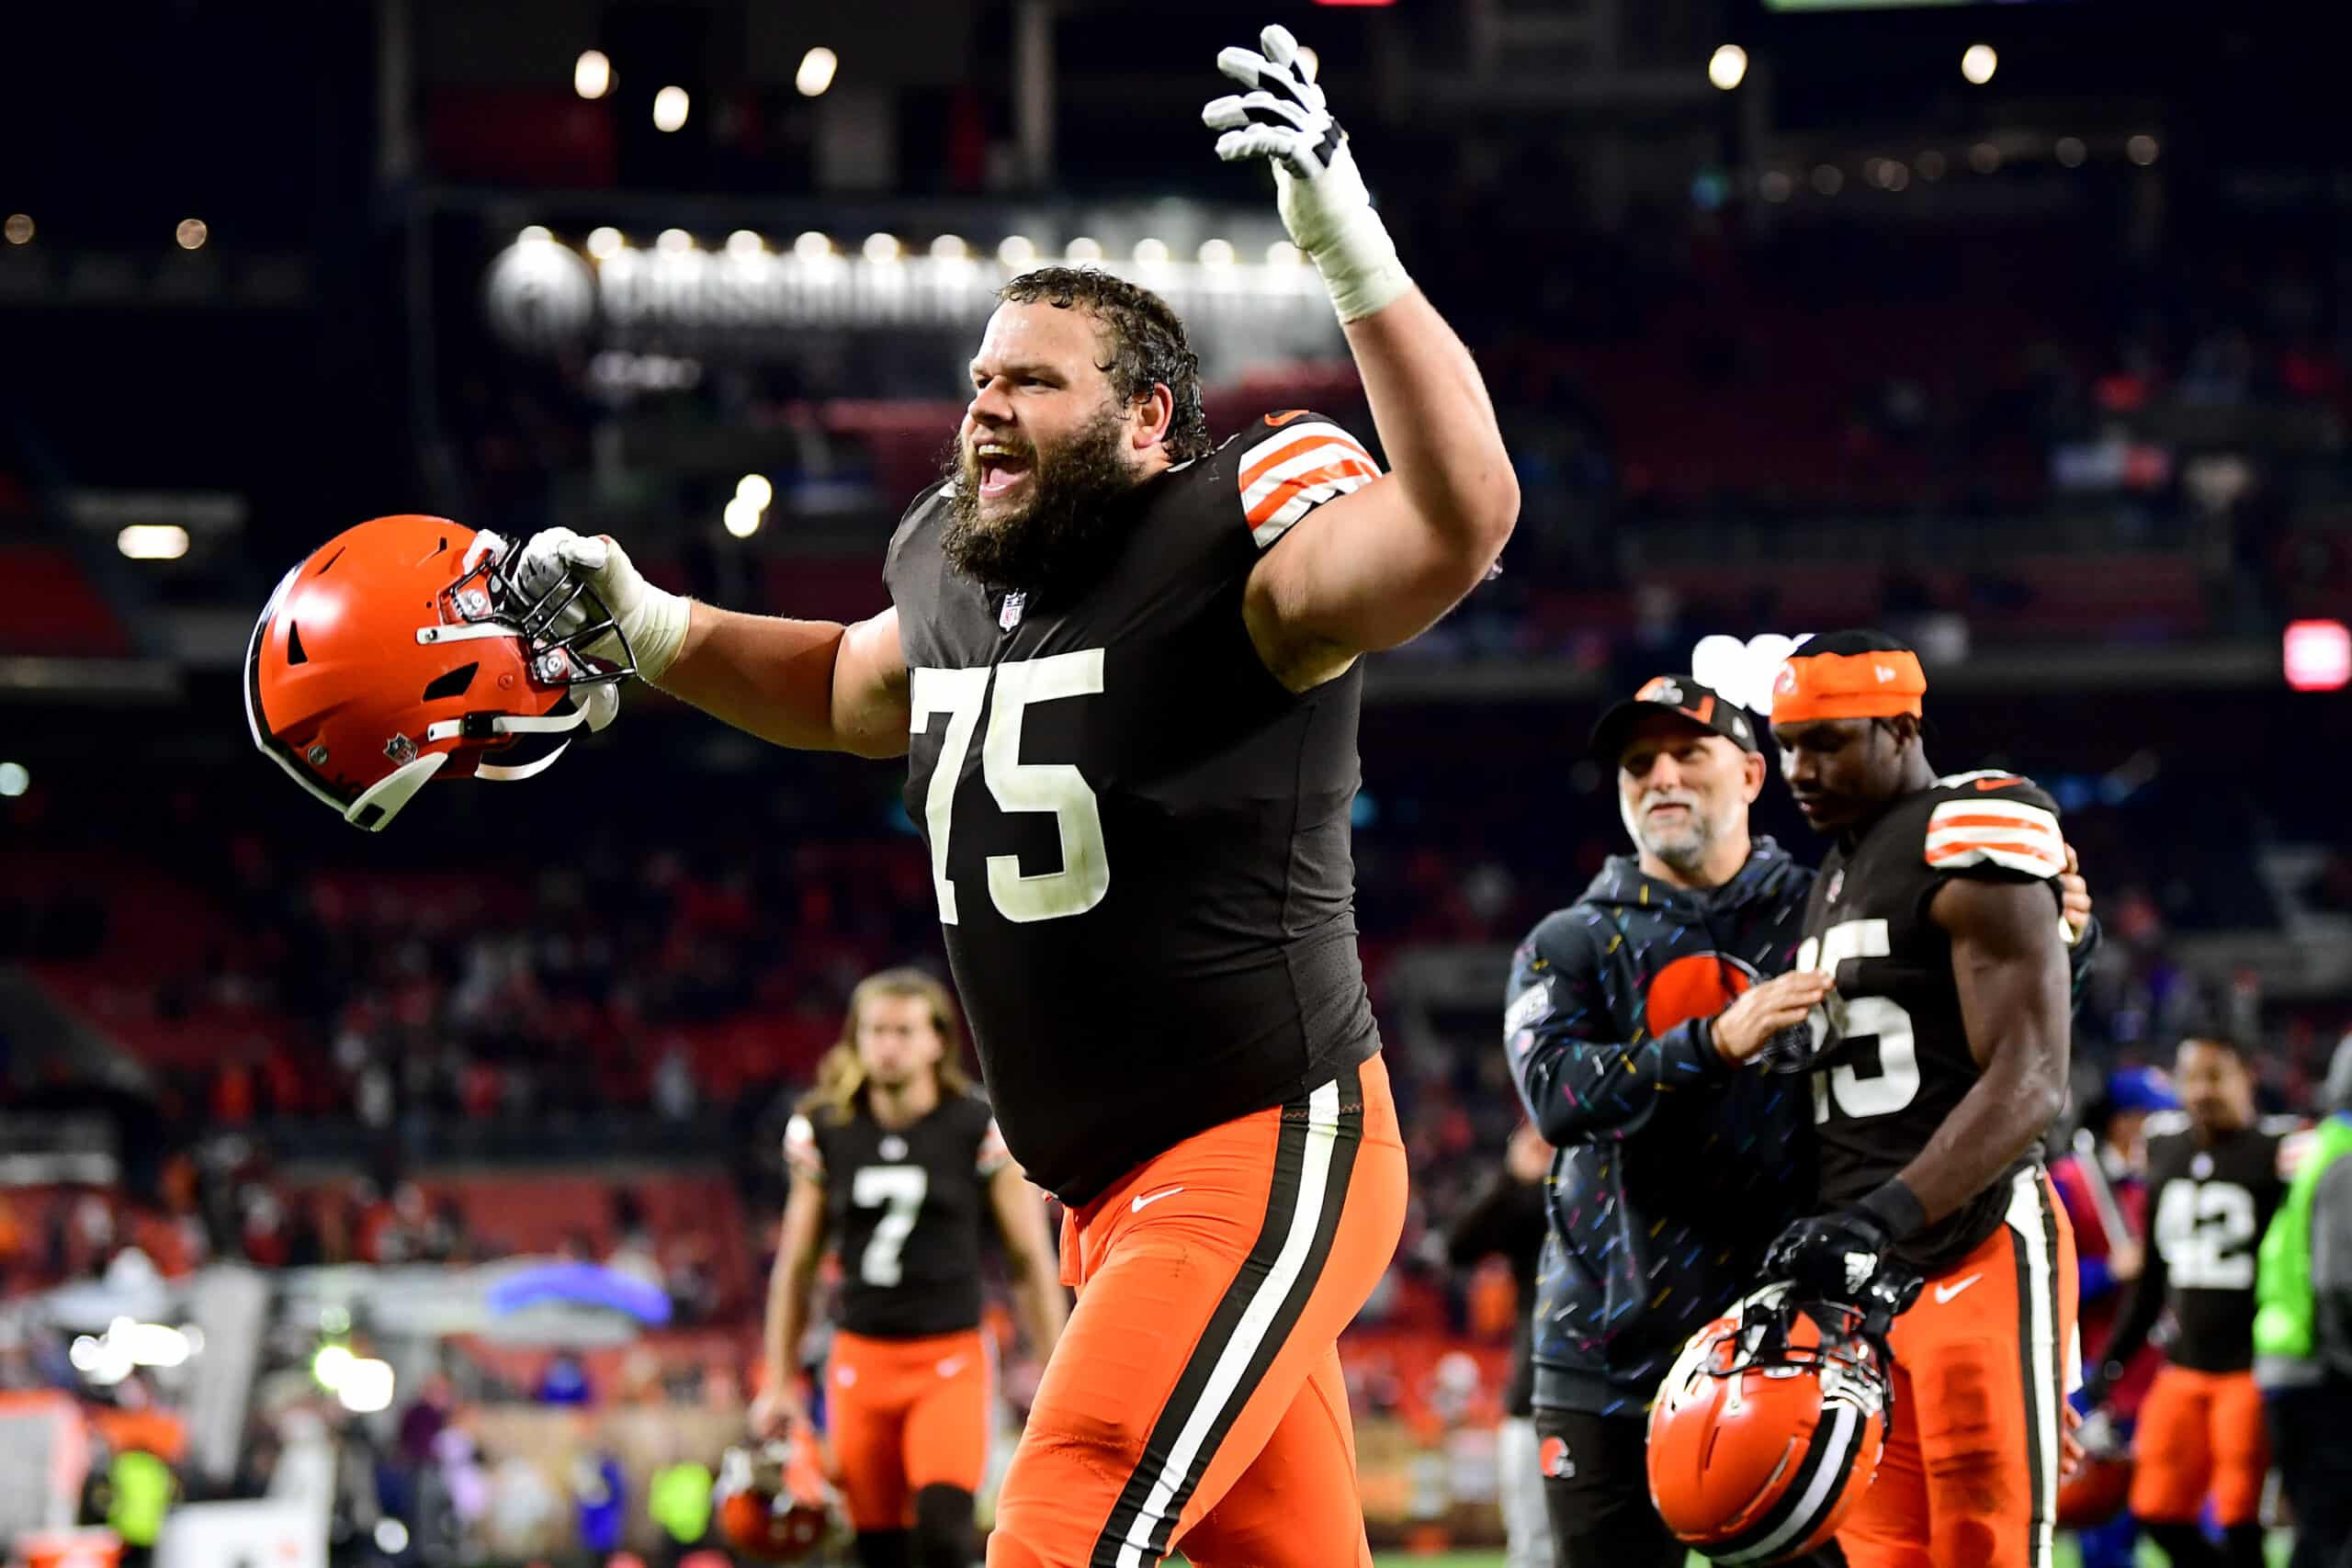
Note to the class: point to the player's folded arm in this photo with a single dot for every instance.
(1581, 1082)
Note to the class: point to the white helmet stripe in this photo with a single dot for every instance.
(1837, 1459)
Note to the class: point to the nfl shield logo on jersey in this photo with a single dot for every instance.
(1836, 884)
(1010, 616)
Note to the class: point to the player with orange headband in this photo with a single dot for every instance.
(1938, 1064)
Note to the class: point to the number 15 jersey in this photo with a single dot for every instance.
(1902, 1062)
(1138, 837)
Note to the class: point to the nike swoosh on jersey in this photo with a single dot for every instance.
(1946, 1293)
(1143, 1200)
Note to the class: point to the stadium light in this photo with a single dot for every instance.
(2141, 150)
(604, 242)
(881, 248)
(592, 74)
(741, 517)
(743, 244)
(755, 488)
(331, 1365)
(192, 233)
(1016, 251)
(19, 229)
(15, 779)
(670, 107)
(367, 1386)
(1978, 61)
(534, 234)
(392, 1537)
(1828, 179)
(152, 541)
(1774, 186)
(1727, 67)
(2318, 656)
(1985, 158)
(1282, 252)
(673, 242)
(950, 247)
(1151, 253)
(1216, 252)
(812, 246)
(1083, 249)
(1930, 164)
(816, 73)
(2071, 152)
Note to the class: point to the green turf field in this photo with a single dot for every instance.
(2149, 1557)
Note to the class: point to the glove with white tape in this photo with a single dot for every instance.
(653, 619)
(1281, 117)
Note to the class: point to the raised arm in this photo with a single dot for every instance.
(1375, 567)
(812, 685)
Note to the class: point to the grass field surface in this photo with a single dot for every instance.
(2067, 1557)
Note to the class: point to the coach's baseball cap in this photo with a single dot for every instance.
(1702, 705)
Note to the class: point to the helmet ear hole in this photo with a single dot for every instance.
(451, 684)
(294, 651)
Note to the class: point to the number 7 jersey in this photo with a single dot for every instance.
(1901, 1061)
(1138, 837)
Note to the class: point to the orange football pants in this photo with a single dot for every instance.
(1195, 1397)
(1982, 1363)
(2199, 1433)
(903, 1415)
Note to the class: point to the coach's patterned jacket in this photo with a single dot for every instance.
(1675, 1171)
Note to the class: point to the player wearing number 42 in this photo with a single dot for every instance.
(895, 1159)
(1937, 1067)
(1121, 658)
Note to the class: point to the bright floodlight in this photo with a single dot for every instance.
(592, 74)
(816, 73)
(743, 245)
(392, 1537)
(367, 1386)
(19, 229)
(755, 488)
(882, 248)
(1282, 252)
(1151, 253)
(670, 105)
(1017, 251)
(1216, 252)
(15, 779)
(604, 242)
(192, 233)
(534, 234)
(152, 541)
(950, 247)
(2318, 656)
(1727, 67)
(673, 242)
(1083, 249)
(1978, 61)
(812, 246)
(741, 517)
(331, 1365)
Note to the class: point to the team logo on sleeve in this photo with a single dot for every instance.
(1527, 1009)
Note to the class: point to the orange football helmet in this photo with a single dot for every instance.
(774, 1504)
(403, 650)
(1769, 1426)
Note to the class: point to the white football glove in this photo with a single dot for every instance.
(1282, 118)
(653, 619)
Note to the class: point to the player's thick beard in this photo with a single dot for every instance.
(1066, 536)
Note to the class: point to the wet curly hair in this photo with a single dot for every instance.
(1144, 337)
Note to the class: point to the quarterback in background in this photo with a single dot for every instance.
(1939, 1064)
(898, 1163)
(1122, 662)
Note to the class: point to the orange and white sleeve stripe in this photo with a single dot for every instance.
(2011, 834)
(1296, 468)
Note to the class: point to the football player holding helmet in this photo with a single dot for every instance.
(1769, 1425)
(405, 648)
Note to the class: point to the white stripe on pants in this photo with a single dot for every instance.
(1527, 1529)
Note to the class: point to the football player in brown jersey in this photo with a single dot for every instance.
(899, 1163)
(1937, 1067)
(1123, 660)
